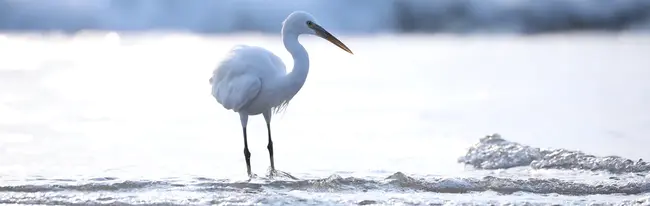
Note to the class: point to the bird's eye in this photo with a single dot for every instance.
(309, 23)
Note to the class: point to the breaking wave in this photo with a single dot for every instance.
(494, 152)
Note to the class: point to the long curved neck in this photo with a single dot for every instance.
(294, 81)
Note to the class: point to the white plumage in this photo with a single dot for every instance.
(238, 78)
(251, 80)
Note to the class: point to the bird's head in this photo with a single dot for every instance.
(300, 22)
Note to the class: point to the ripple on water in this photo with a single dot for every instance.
(335, 183)
(491, 152)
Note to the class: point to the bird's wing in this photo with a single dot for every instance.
(237, 92)
(235, 81)
(238, 78)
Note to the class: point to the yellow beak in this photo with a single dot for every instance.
(321, 32)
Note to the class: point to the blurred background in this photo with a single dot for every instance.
(349, 16)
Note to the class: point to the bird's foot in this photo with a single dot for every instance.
(251, 176)
(277, 174)
(271, 172)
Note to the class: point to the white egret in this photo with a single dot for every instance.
(251, 80)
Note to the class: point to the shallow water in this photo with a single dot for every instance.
(102, 120)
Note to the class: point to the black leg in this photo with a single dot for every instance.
(270, 146)
(247, 154)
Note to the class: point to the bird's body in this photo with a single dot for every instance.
(251, 80)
